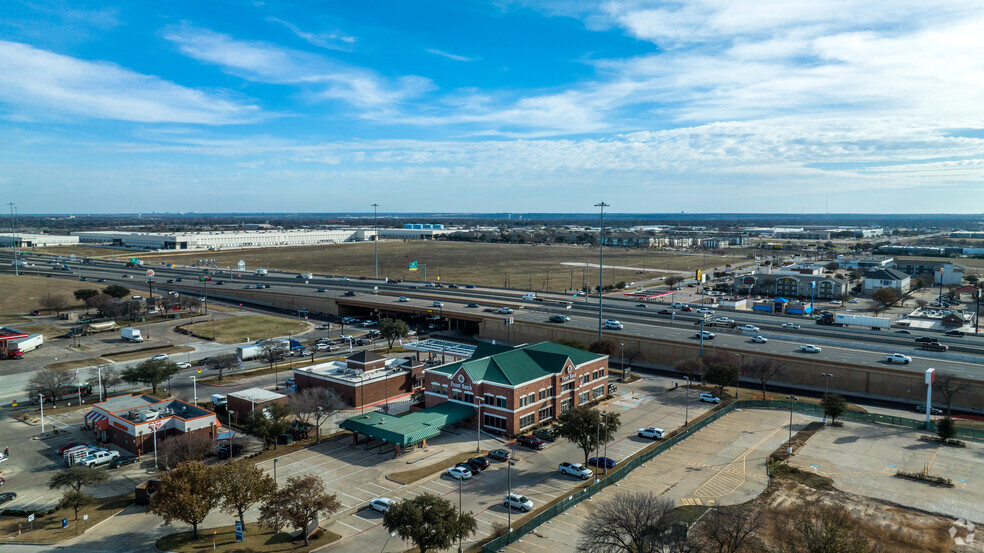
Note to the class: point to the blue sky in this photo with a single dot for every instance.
(467, 106)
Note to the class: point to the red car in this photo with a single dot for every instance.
(36, 312)
(531, 441)
(68, 446)
(687, 308)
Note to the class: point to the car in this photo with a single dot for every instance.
(678, 305)
(935, 346)
(921, 408)
(322, 290)
(706, 335)
(612, 388)
(123, 461)
(927, 339)
(709, 398)
(160, 357)
(602, 462)
(220, 283)
(452, 286)
(82, 278)
(97, 458)
(545, 434)
(459, 473)
(381, 504)
(530, 440)
(558, 319)
(303, 353)
(705, 310)
(469, 286)
(505, 310)
(516, 501)
(349, 293)
(642, 305)
(61, 450)
(478, 464)
(343, 279)
(183, 365)
(500, 454)
(437, 304)
(7, 496)
(575, 469)
(747, 328)
(403, 299)
(956, 333)
(760, 340)
(175, 280)
(223, 451)
(809, 348)
(2, 481)
(686, 309)
(473, 305)
(790, 325)
(664, 312)
(651, 432)
(104, 280)
(902, 332)
(852, 300)
(430, 285)
(36, 312)
(289, 381)
(836, 302)
(898, 358)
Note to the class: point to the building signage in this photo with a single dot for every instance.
(568, 374)
(121, 426)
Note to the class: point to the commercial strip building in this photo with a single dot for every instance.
(791, 285)
(23, 240)
(129, 421)
(365, 378)
(243, 402)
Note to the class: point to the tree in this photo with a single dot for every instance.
(84, 295)
(302, 500)
(818, 527)
(182, 449)
(429, 522)
(393, 330)
(764, 370)
(48, 382)
(187, 493)
(948, 386)
(945, 429)
(240, 485)
(630, 354)
(634, 521)
(99, 302)
(272, 351)
(672, 281)
(110, 377)
(314, 405)
(116, 291)
(151, 372)
(419, 396)
(581, 425)
(834, 406)
(257, 424)
(693, 368)
(604, 347)
(224, 363)
(76, 501)
(722, 370)
(77, 477)
(729, 530)
(886, 296)
(832, 266)
(54, 302)
(571, 343)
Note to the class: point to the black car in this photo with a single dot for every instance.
(122, 461)
(452, 285)
(545, 434)
(558, 319)
(349, 293)
(478, 464)
(170, 281)
(927, 339)
(956, 333)
(223, 451)
(104, 280)
(220, 283)
(7, 496)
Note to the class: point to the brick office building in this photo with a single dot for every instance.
(517, 388)
(365, 378)
(244, 401)
(128, 421)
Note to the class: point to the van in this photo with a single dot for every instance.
(218, 400)
(531, 296)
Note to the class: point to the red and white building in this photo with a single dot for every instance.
(130, 421)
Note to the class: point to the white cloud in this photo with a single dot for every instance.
(331, 41)
(42, 84)
(444, 54)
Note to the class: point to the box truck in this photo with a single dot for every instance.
(130, 334)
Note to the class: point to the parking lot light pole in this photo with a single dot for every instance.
(232, 433)
(601, 264)
(375, 238)
(621, 347)
(509, 490)
(738, 378)
(605, 417)
(789, 442)
(598, 447)
(41, 396)
(478, 426)
(194, 384)
(826, 380)
(686, 416)
(459, 513)
(275, 461)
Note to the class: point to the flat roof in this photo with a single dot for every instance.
(256, 395)
(441, 346)
(412, 428)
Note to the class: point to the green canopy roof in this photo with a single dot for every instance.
(523, 364)
(410, 429)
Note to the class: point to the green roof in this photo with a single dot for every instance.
(518, 365)
(410, 429)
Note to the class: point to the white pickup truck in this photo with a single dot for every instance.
(748, 328)
(575, 469)
(898, 358)
(97, 458)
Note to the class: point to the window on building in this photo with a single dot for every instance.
(489, 399)
(550, 391)
(546, 413)
(543, 394)
(494, 421)
(444, 389)
(500, 401)
(469, 398)
(456, 394)
(527, 420)
(601, 372)
(598, 392)
(565, 405)
(567, 386)
(594, 375)
(531, 399)
(522, 401)
(583, 397)
(435, 387)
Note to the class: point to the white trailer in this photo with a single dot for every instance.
(841, 319)
(260, 272)
(249, 352)
(24, 345)
(130, 334)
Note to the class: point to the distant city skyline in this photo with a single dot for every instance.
(511, 106)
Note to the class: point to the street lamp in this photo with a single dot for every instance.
(601, 263)
(375, 238)
(621, 348)
(738, 379)
(478, 425)
(789, 442)
(686, 416)
(275, 461)
(598, 447)
(387, 542)
(459, 513)
(194, 384)
(826, 380)
(232, 433)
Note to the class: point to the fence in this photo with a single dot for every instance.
(647, 455)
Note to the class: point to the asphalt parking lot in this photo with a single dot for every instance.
(863, 459)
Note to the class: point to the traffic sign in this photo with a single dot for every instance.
(413, 265)
(30, 518)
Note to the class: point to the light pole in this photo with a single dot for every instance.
(605, 417)
(99, 376)
(686, 416)
(509, 463)
(275, 461)
(375, 238)
(387, 542)
(478, 426)
(826, 380)
(232, 434)
(601, 263)
(621, 347)
(459, 512)
(789, 442)
(42, 412)
(194, 384)
(738, 379)
(598, 447)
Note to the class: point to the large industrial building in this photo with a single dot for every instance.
(24, 240)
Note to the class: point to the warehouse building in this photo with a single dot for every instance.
(129, 421)
(24, 240)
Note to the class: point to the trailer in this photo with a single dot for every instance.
(24, 345)
(260, 272)
(95, 328)
(249, 352)
(841, 319)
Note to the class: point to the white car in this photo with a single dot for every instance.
(381, 504)
(183, 365)
(790, 325)
(430, 285)
(613, 324)
(516, 501)
(459, 473)
(160, 357)
(709, 398)
(404, 299)
(651, 432)
(809, 348)
(704, 334)
(705, 310)
(438, 304)
(748, 328)
(852, 300)
(836, 302)
(505, 310)
(575, 469)
(898, 358)
(760, 340)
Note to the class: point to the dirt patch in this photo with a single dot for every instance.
(48, 331)
(22, 294)
(89, 251)
(75, 363)
(410, 476)
(237, 330)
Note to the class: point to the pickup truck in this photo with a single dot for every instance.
(748, 328)
(100, 458)
(575, 469)
(934, 346)
(898, 358)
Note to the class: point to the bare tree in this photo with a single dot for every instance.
(692, 367)
(630, 354)
(634, 521)
(48, 382)
(764, 370)
(948, 386)
(314, 406)
(729, 530)
(224, 363)
(54, 302)
(180, 449)
(111, 378)
(817, 527)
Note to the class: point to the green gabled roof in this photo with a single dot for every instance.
(522, 364)
(411, 429)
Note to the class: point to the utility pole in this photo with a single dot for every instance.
(13, 237)
(375, 238)
(601, 263)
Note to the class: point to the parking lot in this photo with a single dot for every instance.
(863, 459)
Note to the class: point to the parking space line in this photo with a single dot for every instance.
(349, 525)
(489, 511)
(359, 499)
(371, 494)
(380, 486)
(356, 515)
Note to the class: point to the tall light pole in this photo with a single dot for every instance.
(478, 429)
(604, 416)
(738, 379)
(232, 433)
(598, 447)
(601, 263)
(459, 512)
(375, 238)
(789, 442)
(41, 396)
(13, 236)
(686, 412)
(194, 384)
(508, 490)
(826, 380)
(621, 347)
(275, 461)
